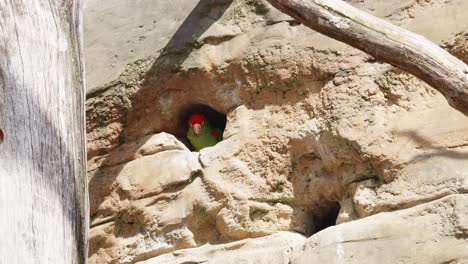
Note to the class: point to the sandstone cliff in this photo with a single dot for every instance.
(328, 155)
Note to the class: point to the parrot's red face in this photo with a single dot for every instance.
(196, 121)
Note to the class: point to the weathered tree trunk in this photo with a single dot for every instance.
(43, 200)
(386, 42)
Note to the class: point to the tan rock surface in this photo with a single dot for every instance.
(275, 248)
(316, 133)
(458, 46)
(434, 232)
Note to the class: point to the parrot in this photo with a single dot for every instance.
(201, 134)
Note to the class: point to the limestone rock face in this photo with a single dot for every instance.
(434, 232)
(458, 46)
(276, 248)
(318, 136)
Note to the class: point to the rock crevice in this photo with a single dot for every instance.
(326, 152)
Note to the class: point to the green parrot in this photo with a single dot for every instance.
(201, 134)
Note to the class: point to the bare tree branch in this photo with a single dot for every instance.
(386, 42)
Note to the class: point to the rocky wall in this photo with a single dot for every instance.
(318, 136)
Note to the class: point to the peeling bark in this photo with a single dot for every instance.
(386, 42)
(43, 195)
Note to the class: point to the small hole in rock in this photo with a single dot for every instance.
(215, 119)
(326, 216)
(1, 136)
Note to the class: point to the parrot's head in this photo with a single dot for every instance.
(197, 121)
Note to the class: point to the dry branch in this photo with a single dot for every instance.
(386, 42)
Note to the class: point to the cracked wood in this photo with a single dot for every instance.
(43, 196)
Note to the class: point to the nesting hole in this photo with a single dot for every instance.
(326, 216)
(2, 136)
(215, 118)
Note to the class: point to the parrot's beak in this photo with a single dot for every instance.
(197, 129)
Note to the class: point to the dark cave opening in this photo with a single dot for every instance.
(325, 216)
(215, 118)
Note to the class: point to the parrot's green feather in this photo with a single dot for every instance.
(219, 134)
(206, 137)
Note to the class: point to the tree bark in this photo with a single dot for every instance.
(386, 42)
(43, 195)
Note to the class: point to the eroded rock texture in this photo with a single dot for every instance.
(317, 134)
